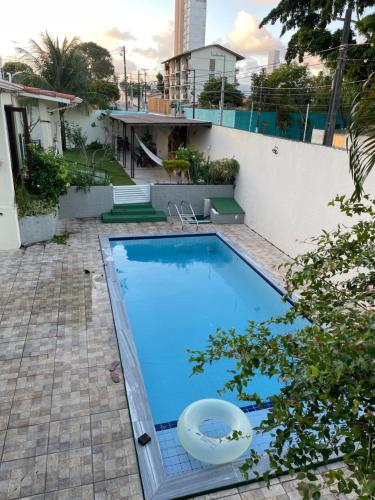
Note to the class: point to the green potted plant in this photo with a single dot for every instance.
(38, 195)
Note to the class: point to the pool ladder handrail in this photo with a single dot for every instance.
(185, 218)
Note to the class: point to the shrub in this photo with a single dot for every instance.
(75, 135)
(47, 176)
(94, 145)
(28, 204)
(177, 166)
(198, 170)
(325, 407)
(223, 171)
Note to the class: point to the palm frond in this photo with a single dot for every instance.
(362, 136)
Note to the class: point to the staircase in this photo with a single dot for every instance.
(133, 212)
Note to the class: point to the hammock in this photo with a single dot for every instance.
(149, 153)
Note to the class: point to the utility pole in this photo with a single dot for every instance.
(251, 115)
(125, 78)
(193, 71)
(221, 111)
(139, 93)
(306, 120)
(131, 92)
(337, 81)
(145, 88)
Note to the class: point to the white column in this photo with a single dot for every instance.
(9, 228)
(46, 137)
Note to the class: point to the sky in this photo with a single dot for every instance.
(144, 26)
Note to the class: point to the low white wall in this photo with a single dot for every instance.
(284, 195)
(79, 204)
(37, 229)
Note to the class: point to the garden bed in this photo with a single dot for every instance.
(116, 174)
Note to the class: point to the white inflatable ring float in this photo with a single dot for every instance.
(214, 450)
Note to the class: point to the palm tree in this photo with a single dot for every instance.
(61, 67)
(362, 136)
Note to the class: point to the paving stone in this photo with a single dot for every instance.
(105, 395)
(24, 442)
(71, 352)
(69, 434)
(12, 334)
(11, 350)
(228, 494)
(36, 365)
(40, 347)
(70, 396)
(30, 412)
(110, 426)
(102, 346)
(40, 331)
(9, 369)
(85, 492)
(4, 414)
(120, 488)
(22, 478)
(7, 388)
(10, 319)
(34, 386)
(69, 468)
(44, 315)
(255, 494)
(114, 460)
(2, 440)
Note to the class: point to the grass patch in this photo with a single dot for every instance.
(115, 172)
(60, 239)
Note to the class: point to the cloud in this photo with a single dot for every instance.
(246, 37)
(163, 45)
(116, 34)
(150, 52)
(272, 3)
(249, 65)
(118, 63)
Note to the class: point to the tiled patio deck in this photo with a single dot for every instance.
(65, 431)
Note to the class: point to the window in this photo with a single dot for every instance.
(212, 65)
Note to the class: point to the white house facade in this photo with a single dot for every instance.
(198, 65)
(27, 115)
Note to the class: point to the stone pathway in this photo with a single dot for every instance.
(65, 430)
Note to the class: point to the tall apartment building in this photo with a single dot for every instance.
(205, 63)
(190, 25)
(273, 61)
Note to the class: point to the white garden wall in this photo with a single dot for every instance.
(93, 122)
(284, 195)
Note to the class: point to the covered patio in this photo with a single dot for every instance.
(161, 134)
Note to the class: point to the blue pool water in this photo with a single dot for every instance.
(177, 291)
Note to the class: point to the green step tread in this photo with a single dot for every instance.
(133, 205)
(226, 206)
(154, 217)
(133, 210)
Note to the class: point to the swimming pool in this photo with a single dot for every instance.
(168, 294)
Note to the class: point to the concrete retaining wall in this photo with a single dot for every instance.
(37, 229)
(80, 205)
(192, 193)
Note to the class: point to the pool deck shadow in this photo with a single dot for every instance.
(65, 430)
